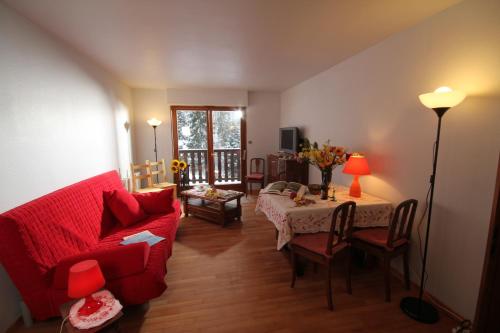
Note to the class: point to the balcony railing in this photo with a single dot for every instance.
(227, 165)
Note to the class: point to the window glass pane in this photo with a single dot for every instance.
(192, 129)
(227, 132)
(192, 143)
(227, 153)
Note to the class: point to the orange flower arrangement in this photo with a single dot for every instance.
(325, 158)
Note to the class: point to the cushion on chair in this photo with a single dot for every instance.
(255, 176)
(156, 202)
(377, 237)
(147, 189)
(163, 185)
(317, 242)
(124, 206)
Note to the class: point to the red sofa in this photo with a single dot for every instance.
(41, 239)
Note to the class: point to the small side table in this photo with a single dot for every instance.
(112, 325)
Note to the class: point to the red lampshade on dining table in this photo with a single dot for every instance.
(84, 279)
(358, 166)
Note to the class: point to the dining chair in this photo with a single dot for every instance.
(388, 243)
(257, 167)
(142, 181)
(321, 247)
(158, 172)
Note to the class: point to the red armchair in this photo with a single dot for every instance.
(41, 239)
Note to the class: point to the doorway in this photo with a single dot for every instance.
(212, 141)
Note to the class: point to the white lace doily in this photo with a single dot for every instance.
(110, 308)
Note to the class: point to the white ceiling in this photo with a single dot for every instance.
(244, 44)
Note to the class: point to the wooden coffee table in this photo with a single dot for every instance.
(221, 210)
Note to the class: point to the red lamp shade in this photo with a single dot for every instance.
(358, 166)
(85, 278)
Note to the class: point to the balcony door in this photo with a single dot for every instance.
(211, 139)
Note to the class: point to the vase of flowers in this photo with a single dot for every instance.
(326, 158)
(326, 178)
(180, 167)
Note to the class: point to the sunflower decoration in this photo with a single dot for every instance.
(174, 166)
(182, 165)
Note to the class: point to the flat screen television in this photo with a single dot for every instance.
(289, 139)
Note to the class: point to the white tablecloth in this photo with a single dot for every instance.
(289, 219)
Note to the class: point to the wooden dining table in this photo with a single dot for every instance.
(289, 219)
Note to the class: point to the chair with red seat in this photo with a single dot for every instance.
(257, 167)
(322, 247)
(391, 242)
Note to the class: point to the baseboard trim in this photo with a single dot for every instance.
(433, 300)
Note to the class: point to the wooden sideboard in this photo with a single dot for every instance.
(279, 168)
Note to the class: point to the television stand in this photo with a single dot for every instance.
(284, 167)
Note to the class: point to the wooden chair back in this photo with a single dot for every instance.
(257, 166)
(140, 173)
(402, 222)
(342, 222)
(158, 171)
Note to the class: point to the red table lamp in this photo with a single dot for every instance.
(358, 166)
(84, 279)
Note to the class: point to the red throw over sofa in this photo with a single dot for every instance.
(41, 239)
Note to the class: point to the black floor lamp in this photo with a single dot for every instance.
(441, 100)
(153, 122)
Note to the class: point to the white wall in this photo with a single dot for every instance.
(149, 103)
(217, 97)
(369, 103)
(61, 120)
(262, 117)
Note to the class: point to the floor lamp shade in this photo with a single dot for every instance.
(153, 122)
(442, 97)
(440, 101)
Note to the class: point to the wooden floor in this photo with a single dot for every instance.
(233, 280)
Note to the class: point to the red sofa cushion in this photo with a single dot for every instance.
(124, 206)
(115, 262)
(160, 225)
(156, 202)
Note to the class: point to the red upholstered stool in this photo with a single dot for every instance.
(391, 242)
